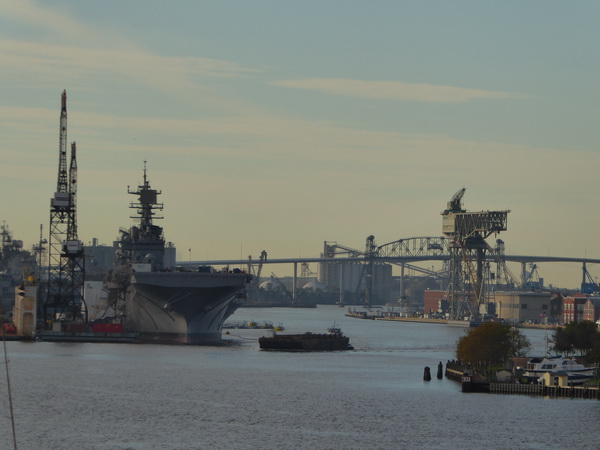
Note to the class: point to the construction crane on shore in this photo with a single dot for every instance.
(370, 254)
(254, 285)
(588, 284)
(66, 261)
(469, 271)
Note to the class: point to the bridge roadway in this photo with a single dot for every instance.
(389, 259)
(524, 260)
(402, 251)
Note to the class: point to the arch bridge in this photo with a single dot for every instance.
(404, 252)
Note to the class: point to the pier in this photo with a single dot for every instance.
(390, 316)
(464, 373)
(546, 391)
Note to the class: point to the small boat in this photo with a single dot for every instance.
(333, 340)
(577, 373)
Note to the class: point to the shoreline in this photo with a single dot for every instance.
(365, 316)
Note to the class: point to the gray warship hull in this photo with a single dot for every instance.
(181, 307)
(159, 301)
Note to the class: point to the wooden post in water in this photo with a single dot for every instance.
(427, 374)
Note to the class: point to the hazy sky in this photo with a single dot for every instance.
(278, 125)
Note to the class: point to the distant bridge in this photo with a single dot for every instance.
(403, 252)
(409, 250)
(386, 259)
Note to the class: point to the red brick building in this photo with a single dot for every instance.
(591, 309)
(573, 308)
(433, 302)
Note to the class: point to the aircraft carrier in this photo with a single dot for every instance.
(166, 304)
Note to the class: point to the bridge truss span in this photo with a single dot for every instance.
(417, 247)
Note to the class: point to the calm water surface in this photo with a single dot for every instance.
(126, 396)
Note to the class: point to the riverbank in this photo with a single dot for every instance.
(413, 319)
(393, 317)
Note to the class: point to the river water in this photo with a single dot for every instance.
(128, 396)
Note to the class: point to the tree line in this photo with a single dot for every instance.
(579, 338)
(496, 343)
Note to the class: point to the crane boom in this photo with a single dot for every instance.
(62, 184)
(72, 231)
(455, 203)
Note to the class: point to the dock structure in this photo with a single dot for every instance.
(546, 391)
(412, 319)
(72, 336)
(461, 372)
(393, 317)
(456, 369)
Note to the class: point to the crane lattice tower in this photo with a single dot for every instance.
(66, 269)
(370, 253)
(468, 248)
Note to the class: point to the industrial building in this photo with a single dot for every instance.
(518, 307)
(350, 280)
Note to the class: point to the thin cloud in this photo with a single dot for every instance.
(68, 49)
(29, 14)
(393, 90)
(53, 59)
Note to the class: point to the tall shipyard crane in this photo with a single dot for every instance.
(468, 232)
(66, 268)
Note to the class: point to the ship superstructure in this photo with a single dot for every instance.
(163, 303)
(143, 243)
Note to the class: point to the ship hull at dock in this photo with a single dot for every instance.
(181, 307)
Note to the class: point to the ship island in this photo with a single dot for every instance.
(143, 295)
(168, 304)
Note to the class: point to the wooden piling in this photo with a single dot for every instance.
(427, 374)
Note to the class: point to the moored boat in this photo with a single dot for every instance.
(576, 372)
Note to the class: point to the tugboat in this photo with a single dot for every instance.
(333, 340)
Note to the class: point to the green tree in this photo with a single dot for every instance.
(582, 337)
(593, 357)
(562, 342)
(492, 343)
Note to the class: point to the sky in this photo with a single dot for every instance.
(278, 125)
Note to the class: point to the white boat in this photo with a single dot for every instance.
(577, 373)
